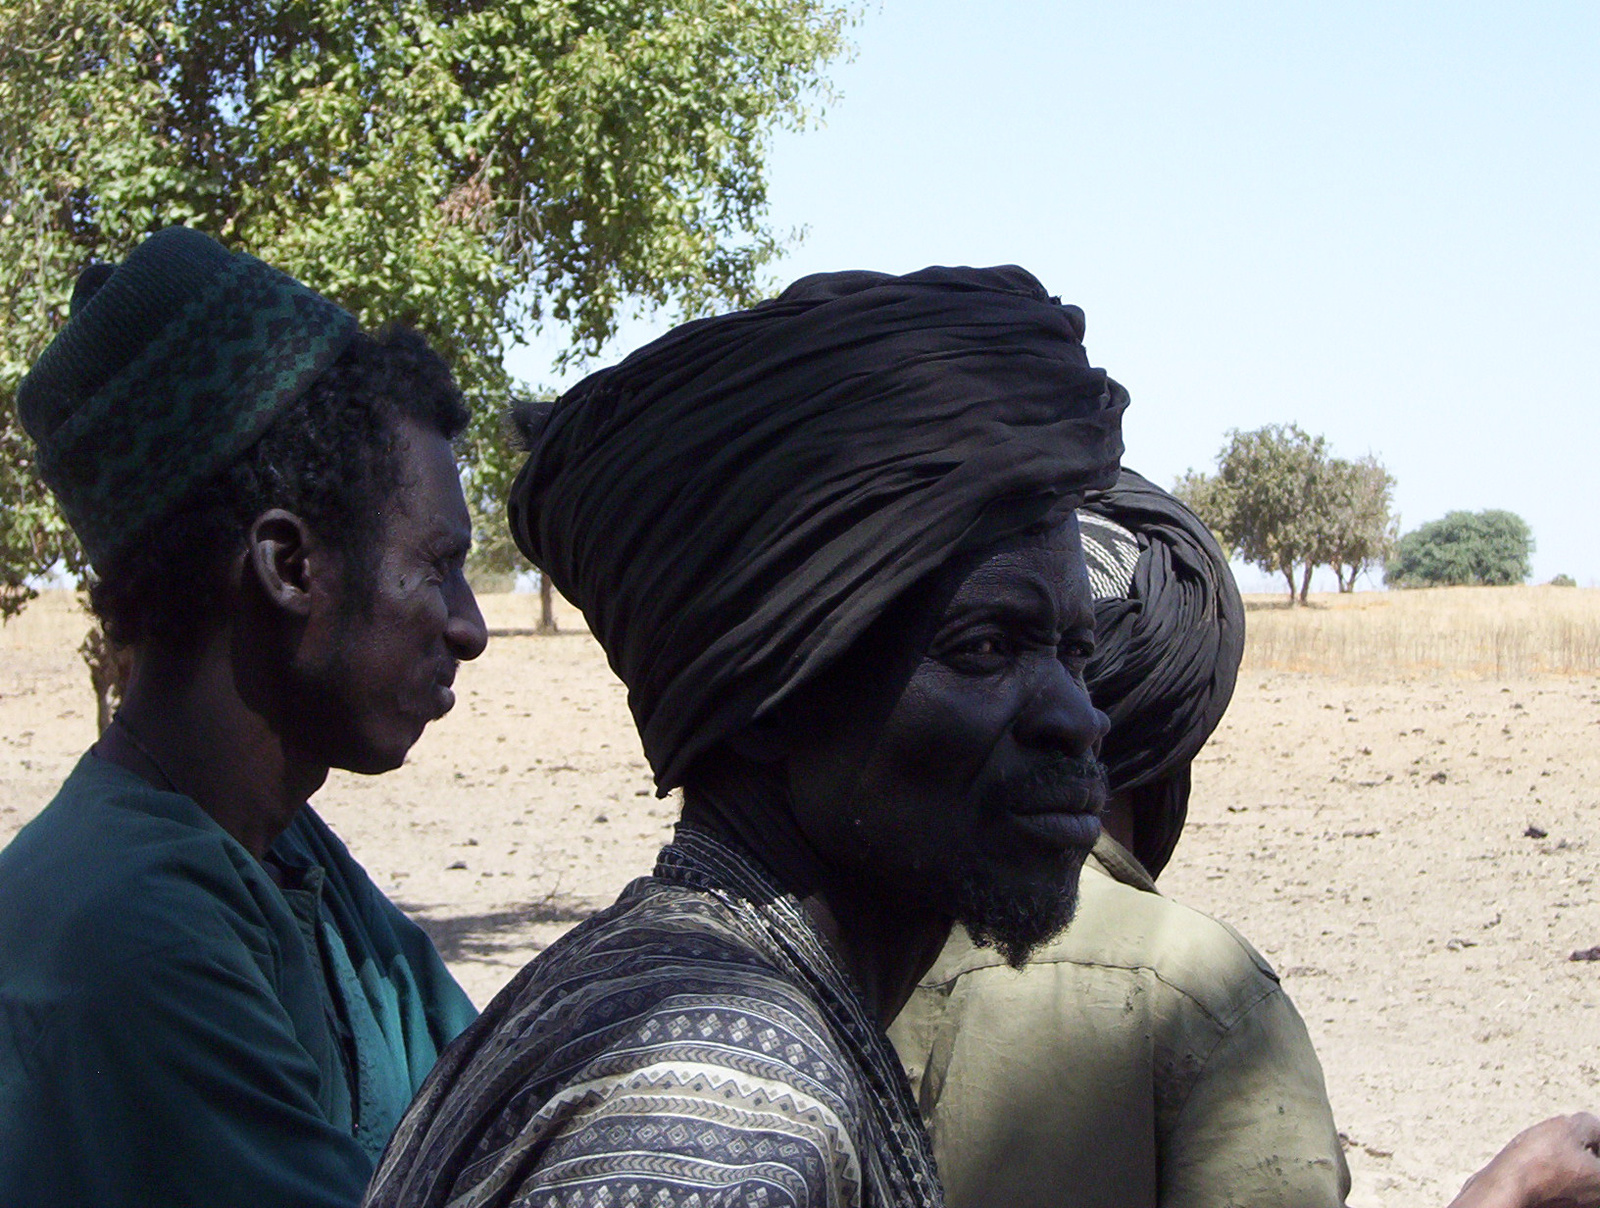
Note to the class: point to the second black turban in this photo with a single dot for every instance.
(1169, 635)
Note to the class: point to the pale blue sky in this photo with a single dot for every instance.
(1380, 221)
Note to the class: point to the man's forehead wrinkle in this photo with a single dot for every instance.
(1027, 577)
(428, 487)
(440, 518)
(996, 588)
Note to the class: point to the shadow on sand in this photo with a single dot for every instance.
(477, 936)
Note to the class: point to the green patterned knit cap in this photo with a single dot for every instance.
(169, 368)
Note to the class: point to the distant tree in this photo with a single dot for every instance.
(1280, 501)
(1563, 581)
(1267, 501)
(1204, 497)
(547, 604)
(1491, 548)
(1360, 525)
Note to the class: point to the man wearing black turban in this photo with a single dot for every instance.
(829, 544)
(1148, 1056)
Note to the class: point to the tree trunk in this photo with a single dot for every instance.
(1338, 573)
(1288, 573)
(109, 668)
(1305, 581)
(547, 605)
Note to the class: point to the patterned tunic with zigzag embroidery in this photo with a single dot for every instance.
(694, 1046)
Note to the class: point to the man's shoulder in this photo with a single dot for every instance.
(674, 988)
(669, 966)
(100, 798)
(113, 869)
(654, 1044)
(1121, 927)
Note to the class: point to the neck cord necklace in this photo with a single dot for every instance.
(133, 739)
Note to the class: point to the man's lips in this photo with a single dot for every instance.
(444, 694)
(1061, 828)
(1059, 805)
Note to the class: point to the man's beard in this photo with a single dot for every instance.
(1016, 924)
(1016, 920)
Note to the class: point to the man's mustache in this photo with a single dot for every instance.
(1064, 783)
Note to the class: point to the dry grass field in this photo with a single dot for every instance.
(1452, 631)
(1400, 810)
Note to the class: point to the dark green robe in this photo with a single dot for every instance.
(176, 1029)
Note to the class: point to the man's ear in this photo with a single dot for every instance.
(284, 558)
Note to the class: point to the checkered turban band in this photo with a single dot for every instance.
(1112, 554)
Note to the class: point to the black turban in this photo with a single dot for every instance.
(1169, 633)
(736, 502)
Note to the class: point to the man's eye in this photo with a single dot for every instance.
(1077, 650)
(981, 653)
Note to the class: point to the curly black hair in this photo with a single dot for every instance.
(332, 458)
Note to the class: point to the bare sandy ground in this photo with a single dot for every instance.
(1371, 838)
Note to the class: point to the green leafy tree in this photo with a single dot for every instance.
(474, 170)
(33, 536)
(1490, 548)
(1267, 500)
(1359, 524)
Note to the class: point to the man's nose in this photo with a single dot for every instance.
(1060, 716)
(464, 632)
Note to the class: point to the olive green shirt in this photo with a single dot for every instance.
(1147, 1056)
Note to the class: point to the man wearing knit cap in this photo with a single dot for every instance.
(829, 546)
(1147, 1056)
(203, 999)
